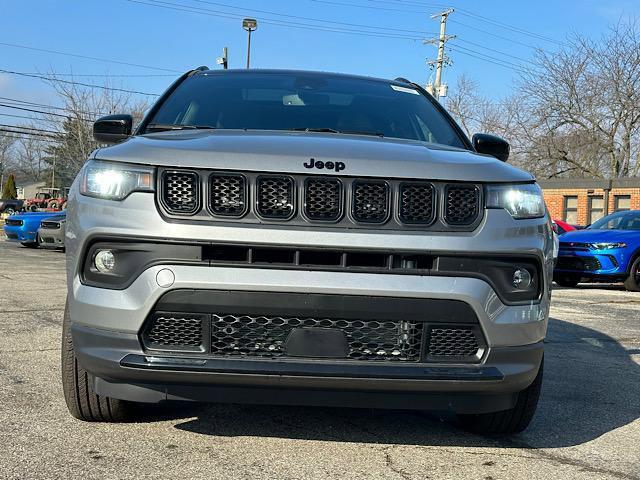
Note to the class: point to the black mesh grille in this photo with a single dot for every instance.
(275, 197)
(370, 201)
(180, 192)
(265, 336)
(228, 195)
(452, 342)
(179, 331)
(580, 264)
(417, 203)
(13, 222)
(50, 225)
(323, 198)
(462, 204)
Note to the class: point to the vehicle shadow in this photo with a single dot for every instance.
(591, 387)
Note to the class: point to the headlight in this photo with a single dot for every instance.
(521, 201)
(607, 245)
(115, 181)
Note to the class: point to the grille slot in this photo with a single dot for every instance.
(323, 199)
(370, 201)
(13, 222)
(275, 197)
(580, 264)
(462, 204)
(175, 331)
(228, 195)
(417, 203)
(452, 343)
(181, 192)
(50, 225)
(262, 336)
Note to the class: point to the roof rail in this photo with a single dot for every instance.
(403, 80)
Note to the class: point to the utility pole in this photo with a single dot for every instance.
(224, 59)
(249, 24)
(438, 89)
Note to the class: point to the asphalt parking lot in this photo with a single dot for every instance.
(587, 425)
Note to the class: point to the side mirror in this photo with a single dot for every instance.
(491, 145)
(113, 128)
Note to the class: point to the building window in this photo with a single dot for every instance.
(596, 208)
(570, 211)
(622, 202)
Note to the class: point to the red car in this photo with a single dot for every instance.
(561, 227)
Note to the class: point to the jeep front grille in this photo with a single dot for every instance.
(323, 199)
(180, 192)
(370, 201)
(257, 198)
(265, 336)
(227, 195)
(275, 196)
(417, 203)
(463, 204)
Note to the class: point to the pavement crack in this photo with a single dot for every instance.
(391, 465)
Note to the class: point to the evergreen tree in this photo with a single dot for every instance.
(9, 191)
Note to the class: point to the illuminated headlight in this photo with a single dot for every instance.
(115, 181)
(521, 201)
(608, 245)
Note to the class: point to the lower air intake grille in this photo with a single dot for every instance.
(175, 332)
(228, 195)
(462, 204)
(322, 199)
(449, 343)
(370, 201)
(181, 192)
(417, 203)
(263, 336)
(275, 197)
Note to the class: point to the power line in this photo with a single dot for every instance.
(19, 116)
(43, 112)
(281, 23)
(486, 58)
(495, 51)
(104, 75)
(69, 82)
(28, 133)
(375, 27)
(42, 105)
(87, 57)
(40, 130)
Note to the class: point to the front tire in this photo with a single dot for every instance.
(632, 283)
(81, 401)
(567, 280)
(511, 421)
(30, 244)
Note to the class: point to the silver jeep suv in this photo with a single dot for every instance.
(304, 238)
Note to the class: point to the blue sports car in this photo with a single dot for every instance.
(606, 251)
(23, 227)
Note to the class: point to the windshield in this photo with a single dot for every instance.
(303, 101)
(618, 221)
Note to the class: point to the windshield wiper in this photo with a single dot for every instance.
(306, 129)
(333, 130)
(160, 127)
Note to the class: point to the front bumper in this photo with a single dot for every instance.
(19, 234)
(600, 263)
(121, 370)
(51, 237)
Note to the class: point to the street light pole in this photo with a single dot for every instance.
(249, 24)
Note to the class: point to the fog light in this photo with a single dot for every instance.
(105, 261)
(521, 278)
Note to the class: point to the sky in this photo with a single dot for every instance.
(156, 40)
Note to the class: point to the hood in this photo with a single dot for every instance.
(35, 215)
(598, 236)
(282, 151)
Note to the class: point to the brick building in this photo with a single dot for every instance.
(583, 201)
